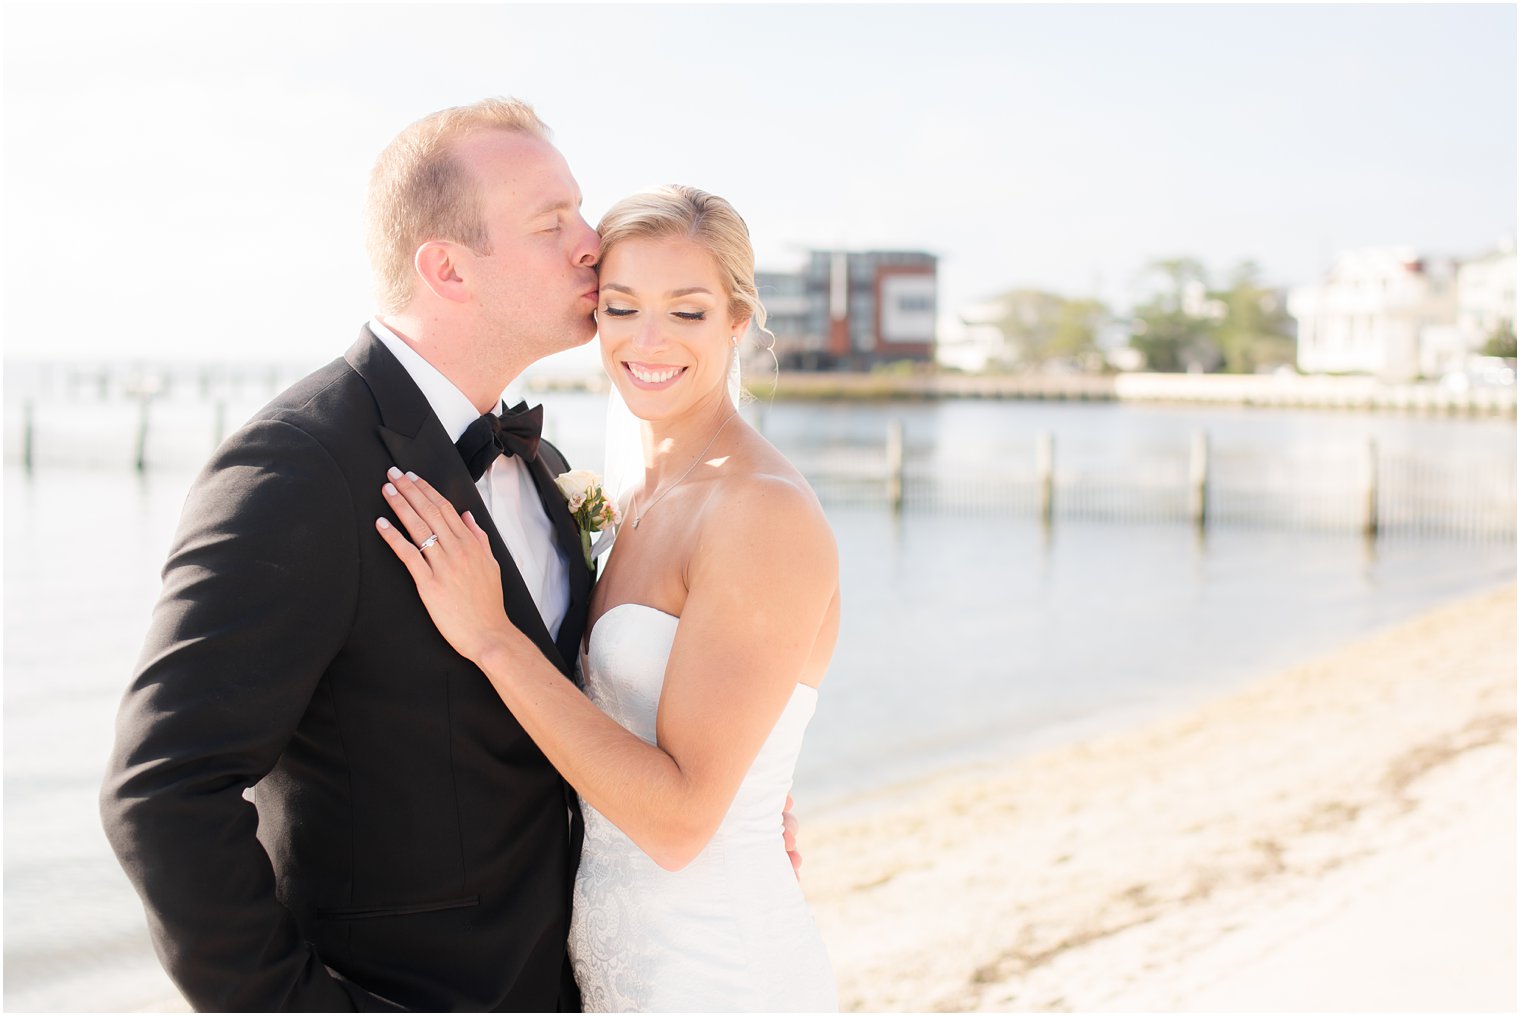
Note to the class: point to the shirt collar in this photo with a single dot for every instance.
(449, 404)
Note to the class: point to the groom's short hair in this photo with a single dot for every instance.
(419, 191)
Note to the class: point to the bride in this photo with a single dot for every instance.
(710, 631)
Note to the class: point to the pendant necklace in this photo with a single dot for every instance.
(639, 516)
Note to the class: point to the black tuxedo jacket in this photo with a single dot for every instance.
(413, 847)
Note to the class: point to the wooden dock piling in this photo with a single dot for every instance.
(1198, 480)
(1370, 491)
(895, 464)
(1044, 471)
(140, 458)
(28, 433)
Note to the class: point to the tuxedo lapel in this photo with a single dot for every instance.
(419, 444)
(568, 535)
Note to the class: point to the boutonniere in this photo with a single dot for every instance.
(589, 506)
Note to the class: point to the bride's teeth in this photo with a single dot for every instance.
(653, 377)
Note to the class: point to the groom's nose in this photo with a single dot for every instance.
(587, 246)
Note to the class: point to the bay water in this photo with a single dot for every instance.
(966, 636)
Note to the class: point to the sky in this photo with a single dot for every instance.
(186, 182)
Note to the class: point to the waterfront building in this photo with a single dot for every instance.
(1389, 312)
(1486, 295)
(853, 310)
(1371, 312)
(973, 341)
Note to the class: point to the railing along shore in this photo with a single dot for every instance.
(146, 420)
(1347, 489)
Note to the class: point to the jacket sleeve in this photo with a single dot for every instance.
(259, 593)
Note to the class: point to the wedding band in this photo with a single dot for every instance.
(428, 542)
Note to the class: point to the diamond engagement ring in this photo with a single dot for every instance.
(432, 539)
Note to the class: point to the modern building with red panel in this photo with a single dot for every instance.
(853, 310)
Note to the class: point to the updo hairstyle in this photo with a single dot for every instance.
(710, 222)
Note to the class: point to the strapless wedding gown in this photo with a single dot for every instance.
(730, 931)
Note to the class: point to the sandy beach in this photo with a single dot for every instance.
(1338, 836)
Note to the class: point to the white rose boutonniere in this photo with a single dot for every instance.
(589, 506)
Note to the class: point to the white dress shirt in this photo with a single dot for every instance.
(507, 488)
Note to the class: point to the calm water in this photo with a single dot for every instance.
(964, 636)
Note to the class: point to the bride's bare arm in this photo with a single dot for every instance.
(760, 584)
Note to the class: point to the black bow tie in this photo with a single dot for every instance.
(515, 432)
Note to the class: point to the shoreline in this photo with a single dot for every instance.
(1351, 393)
(1180, 863)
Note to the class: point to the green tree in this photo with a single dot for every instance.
(1256, 330)
(1076, 335)
(1177, 275)
(1173, 334)
(1040, 326)
(1502, 341)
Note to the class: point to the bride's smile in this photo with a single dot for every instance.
(653, 377)
(667, 330)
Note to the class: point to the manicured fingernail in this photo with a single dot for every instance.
(390, 490)
(393, 473)
(412, 476)
(383, 524)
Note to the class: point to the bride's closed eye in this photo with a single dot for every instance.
(684, 315)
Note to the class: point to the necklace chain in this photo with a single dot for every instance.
(639, 516)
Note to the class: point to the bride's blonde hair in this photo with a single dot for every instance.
(707, 220)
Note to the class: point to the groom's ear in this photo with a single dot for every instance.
(436, 263)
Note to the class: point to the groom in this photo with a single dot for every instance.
(411, 847)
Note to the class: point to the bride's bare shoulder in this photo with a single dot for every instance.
(765, 514)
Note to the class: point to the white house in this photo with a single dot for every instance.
(1486, 294)
(1381, 310)
(971, 340)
